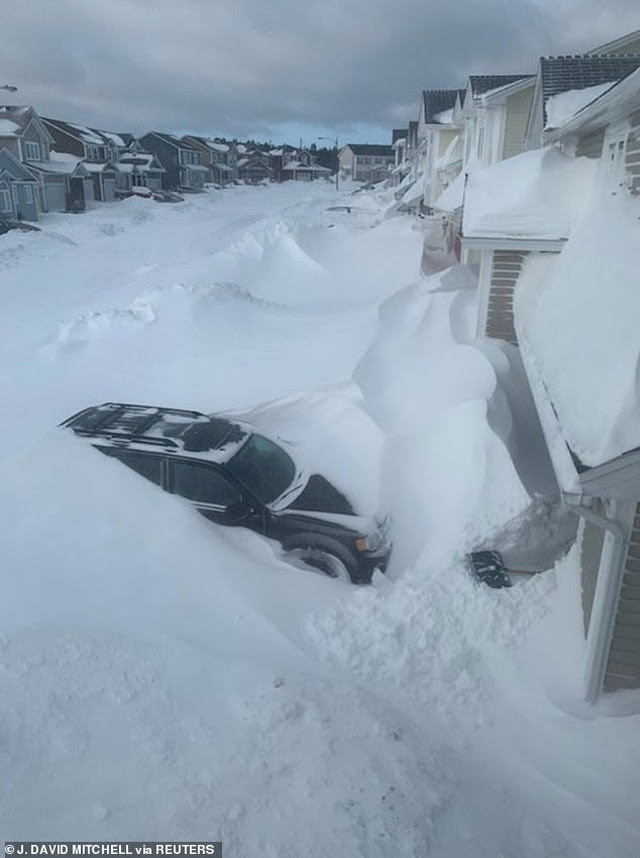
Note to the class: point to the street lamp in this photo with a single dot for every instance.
(9, 87)
(335, 142)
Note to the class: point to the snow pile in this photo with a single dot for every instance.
(579, 323)
(164, 678)
(446, 474)
(538, 195)
(560, 108)
(453, 195)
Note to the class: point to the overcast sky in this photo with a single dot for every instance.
(278, 69)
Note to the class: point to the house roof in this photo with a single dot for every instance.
(617, 45)
(21, 116)
(79, 132)
(536, 195)
(579, 322)
(561, 74)
(10, 164)
(436, 101)
(616, 102)
(481, 83)
(9, 128)
(370, 149)
(172, 140)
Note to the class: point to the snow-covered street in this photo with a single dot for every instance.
(164, 678)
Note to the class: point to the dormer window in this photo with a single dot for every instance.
(93, 153)
(31, 150)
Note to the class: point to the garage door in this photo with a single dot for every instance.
(56, 198)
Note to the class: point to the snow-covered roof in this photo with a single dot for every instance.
(561, 107)
(60, 168)
(241, 148)
(451, 198)
(116, 139)
(218, 147)
(64, 157)
(99, 168)
(444, 118)
(580, 324)
(8, 128)
(535, 195)
(87, 135)
(242, 162)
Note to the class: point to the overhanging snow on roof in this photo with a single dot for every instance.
(451, 198)
(534, 195)
(581, 325)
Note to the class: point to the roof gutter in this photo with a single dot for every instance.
(605, 601)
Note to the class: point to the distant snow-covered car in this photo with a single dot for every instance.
(167, 197)
(235, 475)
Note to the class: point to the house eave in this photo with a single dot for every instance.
(618, 479)
(513, 243)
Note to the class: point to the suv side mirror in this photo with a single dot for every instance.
(237, 512)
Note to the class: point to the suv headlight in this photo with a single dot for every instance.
(372, 542)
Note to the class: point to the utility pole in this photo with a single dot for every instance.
(335, 143)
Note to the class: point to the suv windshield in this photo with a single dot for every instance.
(263, 467)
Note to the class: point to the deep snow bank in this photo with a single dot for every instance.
(447, 475)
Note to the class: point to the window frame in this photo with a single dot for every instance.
(211, 468)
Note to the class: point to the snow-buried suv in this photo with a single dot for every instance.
(236, 476)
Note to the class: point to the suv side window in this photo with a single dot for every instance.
(202, 484)
(149, 467)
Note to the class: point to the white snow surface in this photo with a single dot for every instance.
(165, 679)
(8, 128)
(560, 108)
(589, 355)
(537, 194)
(453, 195)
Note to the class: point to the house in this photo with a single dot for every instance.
(575, 315)
(558, 75)
(474, 114)
(254, 166)
(523, 206)
(300, 165)
(217, 155)
(99, 152)
(401, 164)
(141, 168)
(366, 162)
(439, 142)
(184, 170)
(18, 188)
(61, 186)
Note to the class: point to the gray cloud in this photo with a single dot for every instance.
(251, 65)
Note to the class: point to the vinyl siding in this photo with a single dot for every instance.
(518, 107)
(623, 665)
(632, 152)
(590, 145)
(505, 270)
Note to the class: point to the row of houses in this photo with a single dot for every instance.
(532, 180)
(50, 165)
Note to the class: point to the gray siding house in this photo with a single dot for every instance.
(18, 189)
(61, 185)
(183, 168)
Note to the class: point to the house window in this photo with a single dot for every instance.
(5, 198)
(31, 150)
(28, 194)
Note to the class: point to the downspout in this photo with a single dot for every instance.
(605, 602)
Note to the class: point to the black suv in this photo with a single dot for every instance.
(235, 476)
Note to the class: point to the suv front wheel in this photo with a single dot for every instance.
(324, 554)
